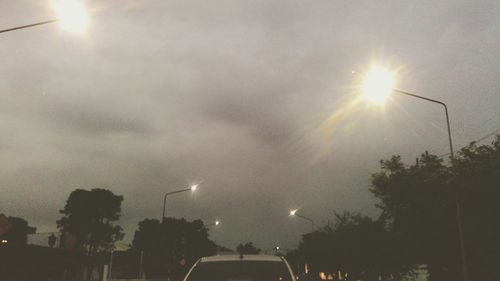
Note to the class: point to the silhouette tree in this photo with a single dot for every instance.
(357, 245)
(18, 234)
(247, 249)
(52, 240)
(90, 215)
(477, 170)
(170, 247)
(419, 202)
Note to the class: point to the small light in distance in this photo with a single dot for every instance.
(194, 187)
(292, 212)
(4, 241)
(71, 14)
(217, 222)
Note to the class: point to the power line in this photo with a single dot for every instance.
(478, 140)
(488, 136)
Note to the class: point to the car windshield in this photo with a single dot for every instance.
(240, 271)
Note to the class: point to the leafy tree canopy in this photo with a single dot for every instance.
(90, 215)
(419, 201)
(247, 249)
(357, 245)
(171, 246)
(18, 234)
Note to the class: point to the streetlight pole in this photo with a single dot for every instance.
(29, 25)
(306, 218)
(71, 14)
(111, 263)
(457, 201)
(294, 213)
(192, 188)
(446, 112)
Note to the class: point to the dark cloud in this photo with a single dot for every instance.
(77, 119)
(235, 95)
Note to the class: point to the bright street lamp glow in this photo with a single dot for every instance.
(194, 187)
(377, 84)
(217, 222)
(71, 14)
(292, 212)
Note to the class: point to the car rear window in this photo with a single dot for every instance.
(240, 271)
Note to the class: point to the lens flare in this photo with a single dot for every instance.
(71, 14)
(378, 84)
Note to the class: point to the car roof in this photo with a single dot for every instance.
(238, 257)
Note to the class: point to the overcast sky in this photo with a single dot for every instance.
(254, 100)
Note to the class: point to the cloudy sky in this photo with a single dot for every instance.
(255, 100)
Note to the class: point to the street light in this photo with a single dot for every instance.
(191, 188)
(377, 85)
(275, 249)
(216, 223)
(71, 15)
(293, 213)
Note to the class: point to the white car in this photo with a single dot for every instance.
(241, 268)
